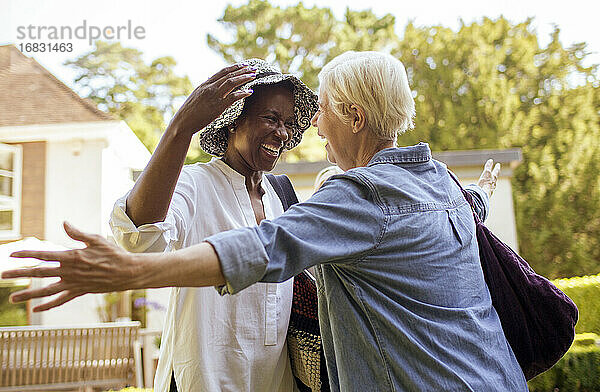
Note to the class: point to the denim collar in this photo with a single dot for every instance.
(410, 154)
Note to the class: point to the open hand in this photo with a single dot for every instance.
(100, 267)
(212, 97)
(489, 177)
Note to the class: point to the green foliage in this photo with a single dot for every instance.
(300, 40)
(11, 314)
(466, 83)
(488, 85)
(144, 95)
(577, 371)
(585, 292)
(586, 339)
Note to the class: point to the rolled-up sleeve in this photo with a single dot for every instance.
(338, 224)
(160, 236)
(243, 258)
(481, 201)
(155, 237)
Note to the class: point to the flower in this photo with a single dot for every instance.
(143, 302)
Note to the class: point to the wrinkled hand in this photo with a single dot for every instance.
(489, 177)
(100, 267)
(212, 97)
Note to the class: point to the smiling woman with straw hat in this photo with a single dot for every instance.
(249, 113)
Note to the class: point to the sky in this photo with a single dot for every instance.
(178, 28)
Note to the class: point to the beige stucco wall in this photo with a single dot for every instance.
(501, 219)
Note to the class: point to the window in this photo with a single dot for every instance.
(10, 191)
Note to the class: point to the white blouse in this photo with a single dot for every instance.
(212, 342)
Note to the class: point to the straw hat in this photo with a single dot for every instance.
(213, 139)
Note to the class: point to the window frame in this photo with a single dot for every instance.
(13, 201)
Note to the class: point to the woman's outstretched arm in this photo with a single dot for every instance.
(101, 267)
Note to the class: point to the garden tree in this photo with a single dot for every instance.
(144, 95)
(300, 40)
(488, 85)
(491, 85)
(557, 187)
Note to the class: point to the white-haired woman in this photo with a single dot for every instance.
(403, 305)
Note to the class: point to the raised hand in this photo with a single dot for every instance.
(149, 199)
(489, 177)
(100, 267)
(212, 97)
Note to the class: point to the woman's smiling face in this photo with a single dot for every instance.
(263, 129)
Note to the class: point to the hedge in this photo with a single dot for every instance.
(577, 371)
(585, 292)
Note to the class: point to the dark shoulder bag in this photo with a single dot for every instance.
(304, 344)
(537, 318)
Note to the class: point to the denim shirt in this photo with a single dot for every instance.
(403, 305)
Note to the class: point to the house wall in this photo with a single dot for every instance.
(73, 187)
(83, 180)
(73, 172)
(73, 193)
(81, 310)
(79, 179)
(123, 153)
(33, 188)
(116, 181)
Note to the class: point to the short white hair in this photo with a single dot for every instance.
(377, 83)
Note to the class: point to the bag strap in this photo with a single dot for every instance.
(283, 187)
(467, 196)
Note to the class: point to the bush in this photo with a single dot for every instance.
(577, 371)
(13, 317)
(11, 314)
(586, 339)
(585, 292)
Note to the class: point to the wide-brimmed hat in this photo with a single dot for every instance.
(213, 139)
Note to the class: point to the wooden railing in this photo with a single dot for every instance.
(50, 358)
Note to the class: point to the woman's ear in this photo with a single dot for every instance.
(359, 119)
